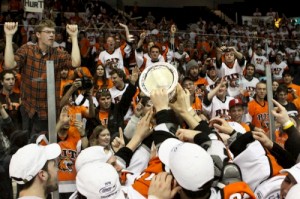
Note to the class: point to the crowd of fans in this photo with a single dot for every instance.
(214, 139)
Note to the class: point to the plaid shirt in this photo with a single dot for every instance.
(32, 64)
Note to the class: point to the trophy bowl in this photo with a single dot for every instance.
(159, 75)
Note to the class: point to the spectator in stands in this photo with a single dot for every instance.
(216, 102)
(278, 67)
(259, 60)
(258, 108)
(111, 115)
(249, 81)
(68, 138)
(282, 93)
(100, 79)
(32, 38)
(85, 48)
(113, 57)
(257, 13)
(9, 99)
(294, 90)
(271, 13)
(59, 41)
(275, 85)
(8, 137)
(231, 67)
(34, 83)
(194, 72)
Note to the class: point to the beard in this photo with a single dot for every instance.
(51, 184)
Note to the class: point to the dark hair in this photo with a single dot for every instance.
(282, 88)
(3, 73)
(103, 78)
(119, 72)
(154, 46)
(102, 92)
(205, 191)
(250, 65)
(287, 72)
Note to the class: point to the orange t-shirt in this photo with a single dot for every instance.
(103, 117)
(259, 114)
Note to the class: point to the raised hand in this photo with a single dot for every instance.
(10, 28)
(159, 98)
(129, 37)
(134, 75)
(280, 113)
(143, 129)
(118, 142)
(72, 30)
(182, 103)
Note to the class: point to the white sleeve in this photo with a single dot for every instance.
(139, 58)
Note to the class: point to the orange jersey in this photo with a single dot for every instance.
(109, 83)
(259, 114)
(296, 88)
(66, 160)
(155, 166)
(73, 110)
(103, 118)
(197, 105)
(142, 183)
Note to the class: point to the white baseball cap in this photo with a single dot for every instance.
(91, 154)
(294, 171)
(189, 163)
(99, 180)
(30, 159)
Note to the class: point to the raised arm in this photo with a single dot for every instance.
(10, 29)
(75, 54)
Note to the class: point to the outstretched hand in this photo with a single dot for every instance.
(129, 37)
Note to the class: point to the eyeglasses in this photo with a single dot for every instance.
(48, 32)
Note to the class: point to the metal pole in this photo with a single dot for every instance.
(270, 103)
(51, 108)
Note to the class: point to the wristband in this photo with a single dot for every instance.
(287, 125)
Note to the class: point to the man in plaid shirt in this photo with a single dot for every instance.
(31, 62)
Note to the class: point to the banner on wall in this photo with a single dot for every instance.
(255, 21)
(33, 5)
